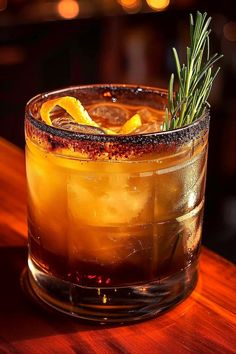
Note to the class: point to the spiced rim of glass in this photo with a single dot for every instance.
(161, 92)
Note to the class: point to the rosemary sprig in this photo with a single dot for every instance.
(195, 78)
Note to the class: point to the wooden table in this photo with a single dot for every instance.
(203, 323)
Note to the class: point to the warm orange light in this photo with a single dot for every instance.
(230, 31)
(158, 5)
(68, 8)
(11, 55)
(3, 5)
(130, 4)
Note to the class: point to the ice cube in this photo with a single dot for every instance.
(149, 128)
(68, 123)
(152, 121)
(102, 199)
(109, 114)
(149, 115)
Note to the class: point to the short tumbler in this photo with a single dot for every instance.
(114, 220)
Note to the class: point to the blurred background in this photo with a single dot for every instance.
(48, 44)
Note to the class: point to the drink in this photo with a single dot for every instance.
(114, 220)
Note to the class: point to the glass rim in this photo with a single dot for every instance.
(103, 137)
(113, 146)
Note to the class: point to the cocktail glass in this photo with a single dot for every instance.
(114, 220)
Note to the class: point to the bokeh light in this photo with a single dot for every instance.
(158, 5)
(3, 5)
(230, 31)
(11, 55)
(130, 5)
(68, 8)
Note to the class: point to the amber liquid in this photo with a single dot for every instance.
(108, 224)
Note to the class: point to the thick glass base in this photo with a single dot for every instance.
(112, 304)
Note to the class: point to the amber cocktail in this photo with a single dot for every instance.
(114, 219)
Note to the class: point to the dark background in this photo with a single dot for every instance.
(108, 41)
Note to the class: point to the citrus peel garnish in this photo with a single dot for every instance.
(75, 109)
(71, 105)
(109, 131)
(131, 124)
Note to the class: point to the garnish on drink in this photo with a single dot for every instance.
(195, 78)
(188, 103)
(115, 213)
(77, 112)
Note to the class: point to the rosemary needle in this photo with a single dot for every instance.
(195, 78)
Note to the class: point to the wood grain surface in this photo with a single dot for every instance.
(204, 323)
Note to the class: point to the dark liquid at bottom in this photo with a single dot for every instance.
(138, 268)
(112, 304)
(137, 287)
